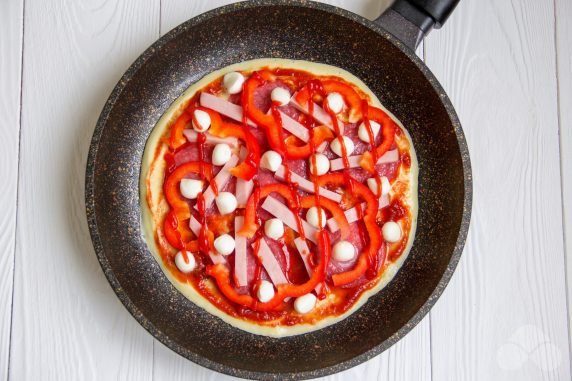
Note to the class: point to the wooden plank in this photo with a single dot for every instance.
(11, 20)
(67, 322)
(564, 75)
(408, 360)
(503, 317)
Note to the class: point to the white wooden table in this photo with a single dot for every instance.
(507, 66)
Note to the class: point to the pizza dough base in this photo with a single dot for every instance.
(148, 222)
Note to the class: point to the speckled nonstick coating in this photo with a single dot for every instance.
(287, 29)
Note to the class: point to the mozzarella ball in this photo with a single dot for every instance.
(391, 232)
(221, 154)
(233, 82)
(226, 202)
(336, 145)
(271, 160)
(343, 251)
(374, 186)
(305, 303)
(274, 228)
(280, 95)
(322, 164)
(335, 102)
(201, 120)
(265, 291)
(362, 131)
(312, 217)
(190, 188)
(185, 266)
(224, 244)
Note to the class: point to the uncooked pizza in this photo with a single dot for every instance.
(279, 195)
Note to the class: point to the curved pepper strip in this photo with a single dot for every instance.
(250, 225)
(221, 274)
(373, 230)
(172, 189)
(177, 138)
(249, 167)
(388, 133)
(178, 234)
(333, 208)
(272, 128)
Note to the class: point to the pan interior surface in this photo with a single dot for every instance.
(304, 31)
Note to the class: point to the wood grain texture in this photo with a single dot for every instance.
(564, 72)
(408, 360)
(503, 317)
(67, 322)
(11, 19)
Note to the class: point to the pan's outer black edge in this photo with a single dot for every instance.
(123, 297)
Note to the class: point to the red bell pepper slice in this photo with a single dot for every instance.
(178, 233)
(249, 167)
(177, 138)
(369, 219)
(388, 127)
(172, 190)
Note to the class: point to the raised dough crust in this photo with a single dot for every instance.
(156, 180)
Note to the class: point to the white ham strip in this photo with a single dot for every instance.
(284, 214)
(322, 147)
(191, 136)
(196, 229)
(304, 251)
(270, 264)
(223, 107)
(352, 215)
(307, 185)
(318, 113)
(243, 191)
(240, 260)
(388, 157)
(220, 179)
(295, 128)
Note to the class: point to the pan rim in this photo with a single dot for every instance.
(245, 373)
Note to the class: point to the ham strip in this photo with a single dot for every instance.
(270, 264)
(284, 214)
(223, 107)
(307, 185)
(220, 179)
(216, 258)
(191, 136)
(240, 260)
(388, 157)
(304, 251)
(243, 191)
(352, 215)
(295, 128)
(318, 113)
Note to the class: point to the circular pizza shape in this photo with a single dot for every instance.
(279, 195)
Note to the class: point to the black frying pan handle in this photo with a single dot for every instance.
(411, 20)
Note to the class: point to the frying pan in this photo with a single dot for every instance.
(381, 53)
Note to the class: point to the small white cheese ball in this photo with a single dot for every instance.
(362, 131)
(201, 120)
(224, 244)
(280, 95)
(221, 154)
(233, 82)
(185, 266)
(374, 186)
(322, 164)
(335, 102)
(343, 251)
(336, 145)
(391, 232)
(305, 303)
(190, 188)
(226, 202)
(271, 160)
(274, 228)
(265, 291)
(312, 217)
